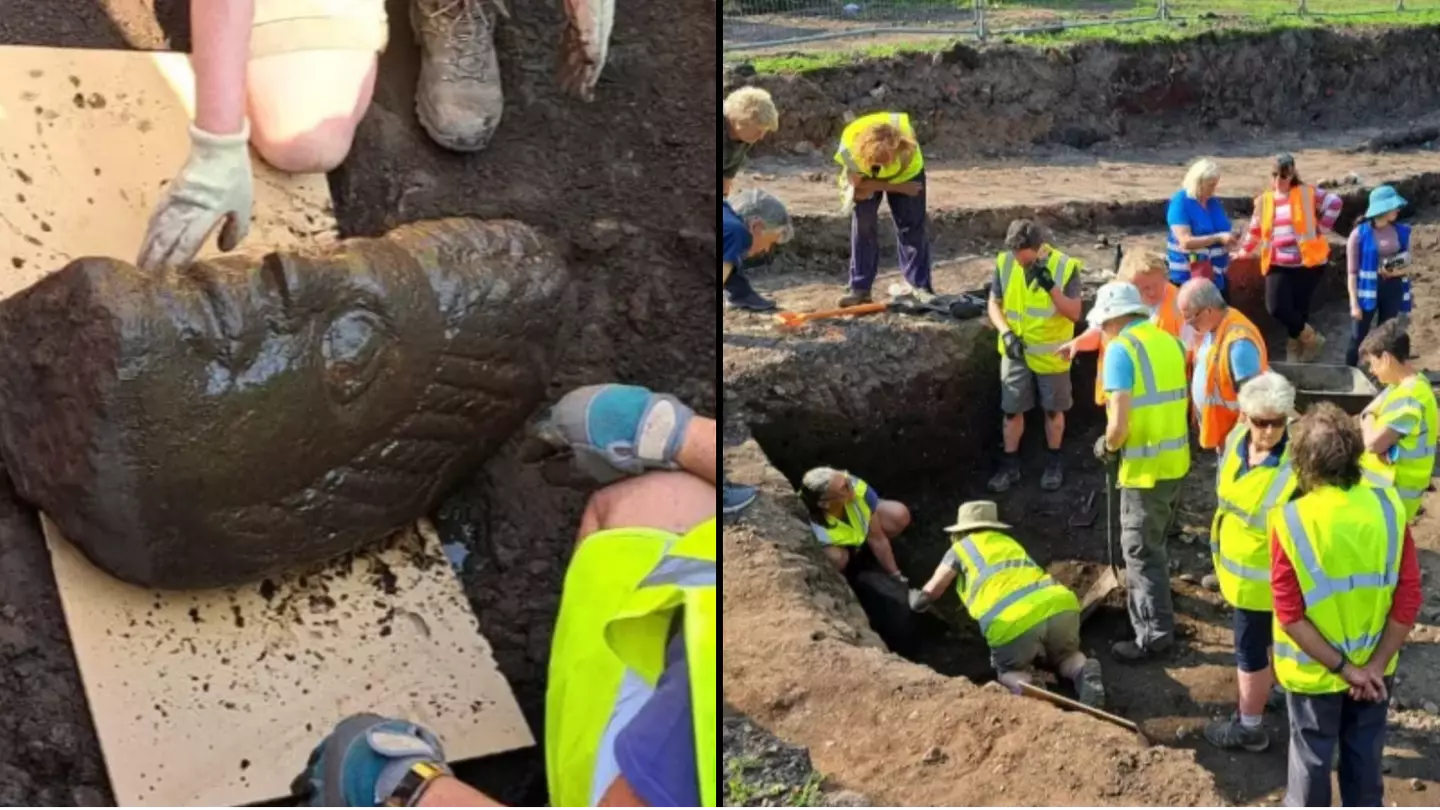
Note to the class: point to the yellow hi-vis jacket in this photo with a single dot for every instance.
(1157, 446)
(1408, 408)
(1004, 590)
(893, 173)
(1030, 311)
(1239, 535)
(853, 530)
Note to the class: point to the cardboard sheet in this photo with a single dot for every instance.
(217, 697)
(88, 139)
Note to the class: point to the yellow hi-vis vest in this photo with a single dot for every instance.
(853, 530)
(1345, 548)
(1004, 590)
(1408, 408)
(1157, 447)
(621, 593)
(893, 173)
(1239, 537)
(1030, 311)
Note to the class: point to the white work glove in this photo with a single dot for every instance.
(215, 186)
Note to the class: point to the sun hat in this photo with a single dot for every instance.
(1115, 299)
(974, 515)
(1383, 200)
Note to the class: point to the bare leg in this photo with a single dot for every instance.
(671, 501)
(1071, 666)
(304, 106)
(1013, 431)
(1255, 690)
(1054, 429)
(893, 517)
(880, 546)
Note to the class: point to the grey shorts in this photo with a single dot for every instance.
(1049, 642)
(1018, 384)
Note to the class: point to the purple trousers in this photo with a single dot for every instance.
(912, 248)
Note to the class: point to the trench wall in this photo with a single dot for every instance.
(1005, 98)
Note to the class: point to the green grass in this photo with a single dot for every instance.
(741, 792)
(1234, 15)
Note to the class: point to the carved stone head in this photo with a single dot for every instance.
(206, 427)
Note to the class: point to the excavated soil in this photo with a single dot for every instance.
(586, 175)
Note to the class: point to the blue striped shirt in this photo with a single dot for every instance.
(1202, 220)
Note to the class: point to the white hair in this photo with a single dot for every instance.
(754, 203)
(1267, 394)
(1201, 293)
(752, 105)
(1201, 171)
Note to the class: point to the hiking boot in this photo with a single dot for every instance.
(1130, 652)
(854, 298)
(1089, 685)
(1311, 342)
(1231, 734)
(738, 497)
(458, 98)
(1292, 351)
(1008, 475)
(751, 301)
(1054, 474)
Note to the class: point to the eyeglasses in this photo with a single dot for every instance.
(1277, 422)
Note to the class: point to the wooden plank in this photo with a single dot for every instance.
(87, 141)
(217, 697)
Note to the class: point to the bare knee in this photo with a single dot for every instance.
(894, 517)
(670, 501)
(838, 557)
(315, 151)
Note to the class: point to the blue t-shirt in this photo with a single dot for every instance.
(1203, 220)
(656, 750)
(1119, 368)
(1271, 460)
(736, 236)
(1244, 364)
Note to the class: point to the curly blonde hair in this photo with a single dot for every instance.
(1141, 262)
(882, 139)
(752, 106)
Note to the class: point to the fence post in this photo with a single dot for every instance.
(1399, 5)
(1301, 10)
(980, 31)
(1164, 11)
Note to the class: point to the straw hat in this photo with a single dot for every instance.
(977, 515)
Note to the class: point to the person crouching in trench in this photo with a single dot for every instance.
(848, 518)
(1026, 616)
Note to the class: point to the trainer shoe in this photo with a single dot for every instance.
(738, 497)
(1054, 474)
(458, 99)
(1090, 686)
(753, 302)
(1231, 734)
(854, 298)
(1007, 476)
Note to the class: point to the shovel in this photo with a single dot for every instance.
(1109, 580)
(1030, 690)
(790, 320)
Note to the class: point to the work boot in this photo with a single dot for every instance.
(1089, 686)
(1131, 652)
(1311, 342)
(738, 497)
(752, 302)
(1292, 351)
(854, 298)
(1008, 474)
(1230, 734)
(458, 98)
(1054, 474)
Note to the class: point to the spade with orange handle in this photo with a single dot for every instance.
(791, 320)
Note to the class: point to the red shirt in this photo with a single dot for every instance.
(1290, 605)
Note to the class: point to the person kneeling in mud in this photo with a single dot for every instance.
(851, 521)
(1026, 616)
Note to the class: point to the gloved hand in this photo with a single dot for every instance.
(1105, 454)
(607, 432)
(919, 602)
(1037, 273)
(215, 185)
(1014, 346)
(363, 760)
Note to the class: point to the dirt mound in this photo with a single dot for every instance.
(1003, 99)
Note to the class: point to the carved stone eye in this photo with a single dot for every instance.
(352, 350)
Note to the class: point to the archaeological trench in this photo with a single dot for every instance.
(617, 290)
(900, 709)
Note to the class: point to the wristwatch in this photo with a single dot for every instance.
(413, 784)
(1338, 668)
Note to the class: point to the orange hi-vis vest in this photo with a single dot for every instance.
(1220, 409)
(1167, 316)
(1314, 250)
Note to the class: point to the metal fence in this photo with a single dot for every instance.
(752, 24)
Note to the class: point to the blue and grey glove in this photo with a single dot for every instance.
(612, 431)
(362, 762)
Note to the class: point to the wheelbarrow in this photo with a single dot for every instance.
(1346, 386)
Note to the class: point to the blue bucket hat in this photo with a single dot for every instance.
(1383, 200)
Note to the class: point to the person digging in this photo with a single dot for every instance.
(852, 522)
(1026, 616)
(1034, 303)
(1147, 444)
